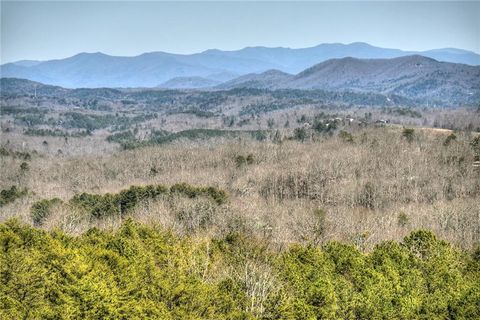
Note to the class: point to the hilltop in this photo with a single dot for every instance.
(414, 77)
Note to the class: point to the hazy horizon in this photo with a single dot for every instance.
(258, 46)
(192, 53)
(56, 30)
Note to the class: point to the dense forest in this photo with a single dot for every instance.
(140, 272)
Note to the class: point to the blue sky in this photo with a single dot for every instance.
(49, 30)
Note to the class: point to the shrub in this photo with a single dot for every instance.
(402, 219)
(218, 195)
(451, 137)
(408, 134)
(123, 138)
(475, 143)
(322, 126)
(300, 134)
(24, 166)
(116, 204)
(250, 159)
(346, 136)
(123, 202)
(241, 160)
(41, 209)
(422, 243)
(10, 195)
(97, 205)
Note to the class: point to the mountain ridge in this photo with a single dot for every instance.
(154, 68)
(415, 77)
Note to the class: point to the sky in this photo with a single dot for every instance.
(51, 30)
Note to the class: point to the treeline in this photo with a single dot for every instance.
(128, 140)
(55, 133)
(32, 117)
(140, 272)
(94, 122)
(119, 204)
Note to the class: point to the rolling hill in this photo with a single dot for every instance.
(189, 83)
(266, 80)
(414, 77)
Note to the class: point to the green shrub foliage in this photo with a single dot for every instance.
(408, 134)
(346, 136)
(241, 160)
(41, 209)
(10, 195)
(218, 195)
(140, 272)
(450, 138)
(121, 203)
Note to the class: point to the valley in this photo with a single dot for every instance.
(329, 181)
(357, 156)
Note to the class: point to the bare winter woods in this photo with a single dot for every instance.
(361, 187)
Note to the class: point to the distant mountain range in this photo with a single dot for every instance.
(415, 78)
(205, 69)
